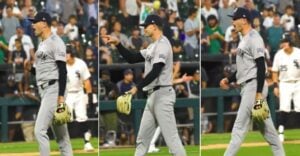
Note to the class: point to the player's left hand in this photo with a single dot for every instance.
(132, 91)
(260, 111)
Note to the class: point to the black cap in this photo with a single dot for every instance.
(127, 71)
(240, 13)
(42, 17)
(152, 19)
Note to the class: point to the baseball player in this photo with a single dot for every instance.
(250, 76)
(51, 77)
(286, 76)
(159, 110)
(78, 77)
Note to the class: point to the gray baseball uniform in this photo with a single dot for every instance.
(250, 48)
(159, 110)
(50, 50)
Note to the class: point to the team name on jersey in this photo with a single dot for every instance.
(42, 56)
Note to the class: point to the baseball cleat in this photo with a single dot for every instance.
(88, 147)
(153, 149)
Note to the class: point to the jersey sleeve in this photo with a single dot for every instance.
(59, 51)
(257, 47)
(161, 53)
(275, 66)
(143, 52)
(85, 71)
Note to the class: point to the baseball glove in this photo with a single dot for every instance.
(62, 114)
(260, 111)
(124, 103)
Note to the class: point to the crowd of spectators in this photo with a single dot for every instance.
(75, 21)
(121, 19)
(274, 20)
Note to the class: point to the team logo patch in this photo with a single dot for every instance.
(61, 54)
(42, 56)
(260, 50)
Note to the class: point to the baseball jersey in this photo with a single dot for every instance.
(250, 48)
(50, 50)
(77, 73)
(159, 51)
(288, 66)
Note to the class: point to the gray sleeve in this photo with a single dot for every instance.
(187, 26)
(59, 51)
(161, 53)
(257, 47)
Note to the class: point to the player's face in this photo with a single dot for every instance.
(238, 24)
(38, 28)
(148, 31)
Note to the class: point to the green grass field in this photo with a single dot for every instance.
(191, 151)
(291, 145)
(32, 147)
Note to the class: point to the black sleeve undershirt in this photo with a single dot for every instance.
(129, 56)
(32, 70)
(153, 74)
(62, 77)
(261, 73)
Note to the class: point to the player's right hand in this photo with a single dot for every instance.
(109, 39)
(224, 84)
(276, 91)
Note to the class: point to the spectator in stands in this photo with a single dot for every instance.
(135, 41)
(259, 28)
(231, 47)
(288, 19)
(3, 48)
(101, 21)
(78, 48)
(9, 23)
(71, 7)
(60, 32)
(180, 26)
(26, 42)
(92, 29)
(27, 24)
(215, 35)
(203, 78)
(108, 91)
(90, 10)
(208, 10)
(282, 4)
(129, 13)
(54, 8)
(204, 40)
(14, 9)
(268, 20)
(251, 7)
(295, 37)
(274, 35)
(193, 86)
(105, 51)
(54, 24)
(224, 20)
(127, 82)
(117, 27)
(71, 28)
(92, 63)
(25, 8)
(19, 59)
(191, 28)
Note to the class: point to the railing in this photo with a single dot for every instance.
(138, 107)
(220, 94)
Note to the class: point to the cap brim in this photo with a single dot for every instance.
(143, 25)
(32, 20)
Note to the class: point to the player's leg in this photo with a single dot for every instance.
(147, 128)
(285, 99)
(80, 107)
(164, 113)
(243, 118)
(269, 132)
(152, 147)
(63, 139)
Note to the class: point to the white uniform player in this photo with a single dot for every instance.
(78, 79)
(286, 71)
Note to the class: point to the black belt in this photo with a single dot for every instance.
(150, 91)
(247, 81)
(49, 83)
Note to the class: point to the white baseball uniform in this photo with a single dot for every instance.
(76, 99)
(288, 67)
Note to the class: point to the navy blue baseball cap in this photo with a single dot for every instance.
(152, 19)
(240, 13)
(41, 17)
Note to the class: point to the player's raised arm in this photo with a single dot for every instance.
(129, 56)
